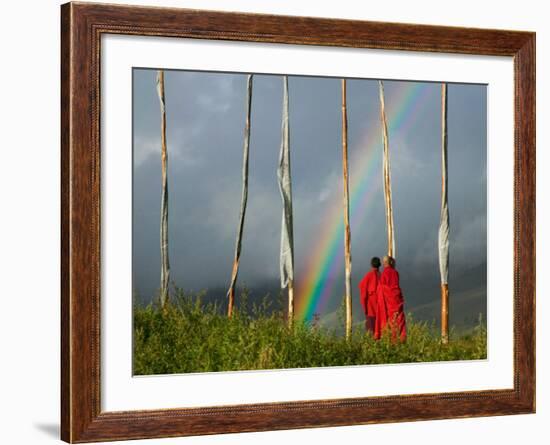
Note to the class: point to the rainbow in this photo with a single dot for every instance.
(326, 259)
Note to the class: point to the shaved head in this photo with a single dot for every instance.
(388, 261)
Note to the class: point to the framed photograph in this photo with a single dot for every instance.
(274, 222)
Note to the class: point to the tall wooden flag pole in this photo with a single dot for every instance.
(386, 175)
(347, 233)
(285, 187)
(165, 263)
(443, 242)
(244, 198)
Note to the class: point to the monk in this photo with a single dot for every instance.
(390, 310)
(368, 292)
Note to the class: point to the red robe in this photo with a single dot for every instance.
(368, 288)
(390, 306)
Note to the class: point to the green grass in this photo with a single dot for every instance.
(190, 336)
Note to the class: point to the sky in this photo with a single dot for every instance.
(205, 125)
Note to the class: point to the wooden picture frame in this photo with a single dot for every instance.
(81, 28)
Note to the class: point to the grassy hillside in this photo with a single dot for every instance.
(192, 336)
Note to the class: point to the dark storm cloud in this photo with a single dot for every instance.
(205, 119)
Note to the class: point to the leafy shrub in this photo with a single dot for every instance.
(192, 336)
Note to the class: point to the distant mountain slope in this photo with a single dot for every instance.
(465, 308)
(468, 297)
